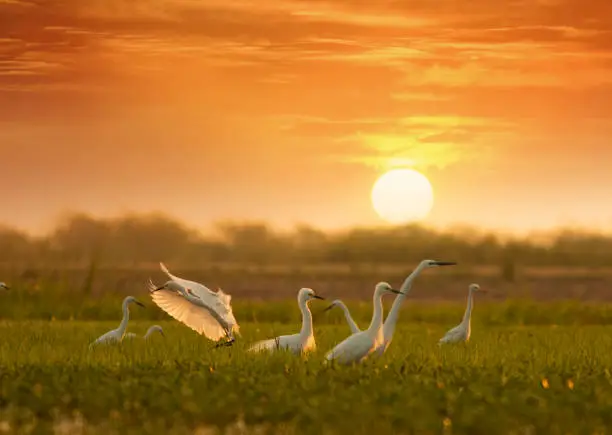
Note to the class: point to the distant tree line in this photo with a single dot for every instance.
(143, 239)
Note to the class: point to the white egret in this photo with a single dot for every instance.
(4, 286)
(462, 331)
(207, 312)
(391, 320)
(358, 346)
(296, 343)
(116, 335)
(150, 331)
(351, 323)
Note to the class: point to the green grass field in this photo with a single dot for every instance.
(507, 380)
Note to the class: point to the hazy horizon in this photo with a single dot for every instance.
(287, 112)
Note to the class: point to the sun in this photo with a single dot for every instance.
(402, 196)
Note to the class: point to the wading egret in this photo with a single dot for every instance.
(391, 320)
(207, 312)
(358, 346)
(351, 323)
(116, 335)
(462, 331)
(150, 331)
(296, 343)
(4, 286)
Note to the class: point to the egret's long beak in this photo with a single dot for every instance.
(329, 308)
(445, 263)
(392, 290)
(162, 333)
(318, 297)
(140, 304)
(6, 287)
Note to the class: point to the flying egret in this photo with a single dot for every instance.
(116, 335)
(4, 286)
(462, 331)
(351, 323)
(150, 331)
(296, 343)
(207, 312)
(358, 346)
(391, 320)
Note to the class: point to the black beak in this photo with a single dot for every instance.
(396, 291)
(162, 333)
(329, 308)
(6, 287)
(318, 297)
(445, 263)
(139, 304)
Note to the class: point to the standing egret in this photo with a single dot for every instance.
(358, 346)
(150, 331)
(296, 343)
(391, 320)
(116, 335)
(207, 312)
(4, 286)
(462, 331)
(352, 325)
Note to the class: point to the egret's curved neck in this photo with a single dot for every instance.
(306, 330)
(468, 310)
(149, 331)
(377, 316)
(397, 303)
(126, 318)
(349, 319)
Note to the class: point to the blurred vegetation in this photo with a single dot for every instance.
(88, 242)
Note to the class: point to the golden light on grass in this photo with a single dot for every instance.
(402, 196)
(545, 384)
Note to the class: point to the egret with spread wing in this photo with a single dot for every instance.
(296, 343)
(150, 331)
(207, 312)
(116, 335)
(462, 331)
(357, 347)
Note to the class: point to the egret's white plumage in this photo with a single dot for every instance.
(296, 343)
(391, 320)
(207, 312)
(4, 286)
(358, 346)
(351, 323)
(150, 331)
(462, 331)
(116, 335)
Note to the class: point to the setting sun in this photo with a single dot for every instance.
(402, 196)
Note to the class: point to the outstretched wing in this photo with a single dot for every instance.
(194, 316)
(219, 302)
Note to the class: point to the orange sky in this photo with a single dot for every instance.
(287, 111)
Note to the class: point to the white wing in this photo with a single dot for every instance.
(194, 316)
(291, 342)
(218, 301)
(456, 334)
(353, 349)
(109, 337)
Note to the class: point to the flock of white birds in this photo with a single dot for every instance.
(209, 313)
